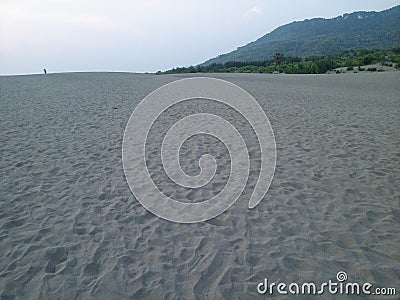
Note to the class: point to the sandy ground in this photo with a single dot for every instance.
(71, 229)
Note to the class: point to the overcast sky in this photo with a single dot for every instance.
(143, 35)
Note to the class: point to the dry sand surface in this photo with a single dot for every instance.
(70, 227)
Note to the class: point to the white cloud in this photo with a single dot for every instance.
(255, 10)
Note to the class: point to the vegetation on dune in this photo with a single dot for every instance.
(350, 59)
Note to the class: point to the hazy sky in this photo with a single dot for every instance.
(143, 35)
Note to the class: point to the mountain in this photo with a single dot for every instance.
(357, 30)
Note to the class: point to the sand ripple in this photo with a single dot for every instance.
(71, 229)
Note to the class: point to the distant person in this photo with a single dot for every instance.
(45, 71)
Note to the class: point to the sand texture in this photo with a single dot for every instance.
(70, 227)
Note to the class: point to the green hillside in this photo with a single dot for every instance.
(358, 30)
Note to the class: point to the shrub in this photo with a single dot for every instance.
(350, 68)
(367, 59)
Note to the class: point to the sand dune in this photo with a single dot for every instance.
(71, 229)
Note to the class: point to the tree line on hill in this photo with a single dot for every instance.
(318, 36)
(297, 65)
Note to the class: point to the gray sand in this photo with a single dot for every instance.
(70, 227)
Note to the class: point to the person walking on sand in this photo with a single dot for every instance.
(45, 71)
